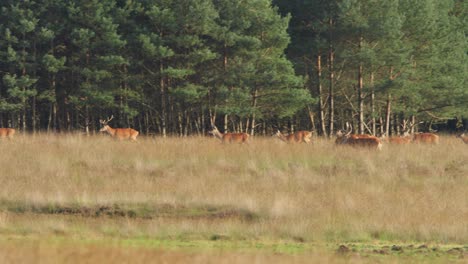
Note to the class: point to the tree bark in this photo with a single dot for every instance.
(373, 128)
(23, 98)
(387, 115)
(360, 94)
(331, 112)
(225, 63)
(320, 95)
(162, 92)
(254, 104)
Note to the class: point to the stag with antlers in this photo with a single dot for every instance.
(426, 138)
(118, 133)
(400, 140)
(346, 138)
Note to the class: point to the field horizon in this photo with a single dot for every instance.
(266, 197)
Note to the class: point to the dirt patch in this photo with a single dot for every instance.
(380, 251)
(397, 248)
(342, 249)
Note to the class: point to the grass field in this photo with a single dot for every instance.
(71, 198)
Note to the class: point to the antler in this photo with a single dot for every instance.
(280, 135)
(406, 127)
(104, 122)
(405, 124)
(349, 129)
(411, 125)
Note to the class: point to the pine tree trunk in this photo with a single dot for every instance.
(396, 124)
(225, 63)
(211, 111)
(387, 115)
(180, 121)
(254, 104)
(226, 122)
(360, 100)
(320, 95)
(373, 104)
(202, 119)
(312, 120)
(413, 122)
(87, 122)
(381, 126)
(86, 106)
(34, 114)
(162, 92)
(360, 94)
(331, 112)
(23, 98)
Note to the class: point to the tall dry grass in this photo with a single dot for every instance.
(316, 192)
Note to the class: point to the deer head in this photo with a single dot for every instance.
(104, 123)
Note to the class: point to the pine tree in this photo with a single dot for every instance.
(94, 60)
(434, 86)
(18, 58)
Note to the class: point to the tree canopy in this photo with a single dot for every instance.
(177, 67)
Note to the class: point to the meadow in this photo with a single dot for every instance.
(73, 198)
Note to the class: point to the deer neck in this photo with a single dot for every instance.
(218, 134)
(281, 137)
(110, 130)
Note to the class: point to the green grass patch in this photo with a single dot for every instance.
(137, 210)
(374, 251)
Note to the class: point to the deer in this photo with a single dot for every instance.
(296, 137)
(463, 137)
(7, 133)
(425, 138)
(229, 137)
(400, 140)
(428, 138)
(118, 133)
(346, 138)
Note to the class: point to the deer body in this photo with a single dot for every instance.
(121, 133)
(399, 140)
(428, 138)
(230, 137)
(297, 137)
(365, 141)
(7, 133)
(118, 133)
(358, 140)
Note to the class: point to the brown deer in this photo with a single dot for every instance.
(427, 138)
(229, 137)
(7, 133)
(463, 137)
(397, 140)
(118, 133)
(296, 137)
(346, 138)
